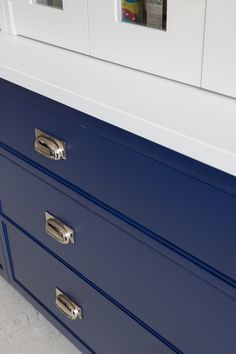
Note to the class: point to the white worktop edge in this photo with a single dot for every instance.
(16, 66)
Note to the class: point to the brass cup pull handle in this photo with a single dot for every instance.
(58, 230)
(48, 146)
(69, 308)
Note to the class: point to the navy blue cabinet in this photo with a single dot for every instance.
(125, 228)
(103, 327)
(3, 269)
(140, 278)
(1, 256)
(135, 186)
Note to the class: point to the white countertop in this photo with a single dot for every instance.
(192, 121)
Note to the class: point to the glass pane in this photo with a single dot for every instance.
(53, 3)
(150, 13)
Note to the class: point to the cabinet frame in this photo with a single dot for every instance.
(219, 73)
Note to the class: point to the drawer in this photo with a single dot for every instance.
(181, 210)
(98, 243)
(147, 283)
(104, 328)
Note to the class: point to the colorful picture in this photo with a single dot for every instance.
(150, 13)
(131, 10)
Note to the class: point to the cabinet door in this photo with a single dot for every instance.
(219, 65)
(60, 22)
(132, 33)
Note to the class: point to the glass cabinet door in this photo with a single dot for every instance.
(219, 61)
(163, 37)
(60, 22)
(54, 3)
(150, 13)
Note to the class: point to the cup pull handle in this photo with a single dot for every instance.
(58, 230)
(68, 307)
(48, 146)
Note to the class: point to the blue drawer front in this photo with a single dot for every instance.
(1, 261)
(183, 211)
(3, 269)
(147, 283)
(104, 328)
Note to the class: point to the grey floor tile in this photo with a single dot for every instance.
(24, 331)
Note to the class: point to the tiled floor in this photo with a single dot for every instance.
(24, 331)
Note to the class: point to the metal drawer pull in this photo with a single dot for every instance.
(57, 230)
(67, 306)
(49, 146)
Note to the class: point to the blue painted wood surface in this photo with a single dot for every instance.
(162, 154)
(185, 212)
(3, 268)
(33, 300)
(125, 194)
(104, 328)
(139, 279)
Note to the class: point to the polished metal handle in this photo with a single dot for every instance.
(48, 146)
(58, 230)
(67, 306)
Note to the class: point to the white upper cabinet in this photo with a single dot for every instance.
(60, 22)
(150, 36)
(1, 15)
(219, 64)
(162, 37)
